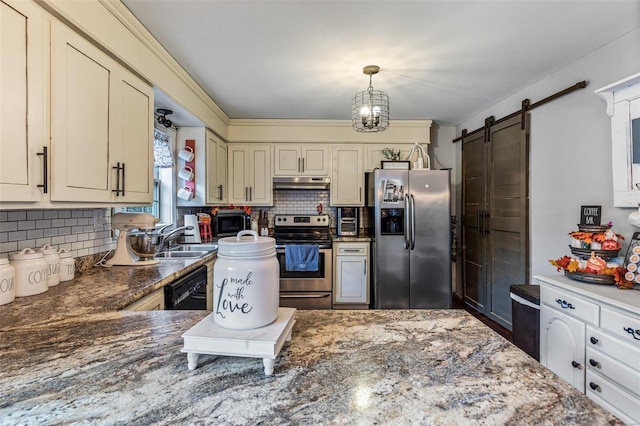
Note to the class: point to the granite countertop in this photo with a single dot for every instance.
(441, 367)
(96, 290)
(360, 238)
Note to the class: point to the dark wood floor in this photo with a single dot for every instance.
(458, 303)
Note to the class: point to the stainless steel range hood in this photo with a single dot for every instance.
(292, 183)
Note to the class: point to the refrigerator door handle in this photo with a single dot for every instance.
(412, 208)
(407, 222)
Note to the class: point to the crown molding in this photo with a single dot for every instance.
(248, 122)
(131, 23)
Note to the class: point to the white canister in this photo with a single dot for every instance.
(53, 260)
(7, 282)
(246, 281)
(67, 265)
(31, 272)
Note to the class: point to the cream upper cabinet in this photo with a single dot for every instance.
(301, 160)
(250, 174)
(217, 187)
(102, 124)
(373, 154)
(23, 111)
(347, 177)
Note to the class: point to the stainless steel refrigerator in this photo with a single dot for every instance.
(412, 244)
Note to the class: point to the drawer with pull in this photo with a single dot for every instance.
(613, 347)
(613, 370)
(354, 249)
(616, 399)
(624, 326)
(570, 304)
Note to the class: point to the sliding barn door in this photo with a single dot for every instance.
(495, 224)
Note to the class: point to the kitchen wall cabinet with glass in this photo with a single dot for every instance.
(590, 337)
(301, 160)
(101, 117)
(351, 274)
(250, 174)
(347, 176)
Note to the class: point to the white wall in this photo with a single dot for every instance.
(570, 150)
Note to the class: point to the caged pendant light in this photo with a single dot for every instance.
(370, 109)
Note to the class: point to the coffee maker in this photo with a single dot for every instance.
(348, 221)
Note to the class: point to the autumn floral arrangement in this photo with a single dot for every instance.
(595, 245)
(247, 209)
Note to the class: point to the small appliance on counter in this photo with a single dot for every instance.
(228, 223)
(125, 223)
(348, 221)
(192, 236)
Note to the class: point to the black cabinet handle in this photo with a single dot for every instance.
(575, 364)
(593, 362)
(123, 179)
(564, 304)
(634, 333)
(594, 386)
(593, 340)
(220, 192)
(45, 169)
(117, 168)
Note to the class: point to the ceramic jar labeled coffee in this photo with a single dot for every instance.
(7, 282)
(50, 254)
(31, 272)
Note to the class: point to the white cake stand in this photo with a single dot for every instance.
(207, 337)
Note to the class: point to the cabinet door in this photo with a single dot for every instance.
(82, 90)
(315, 160)
(260, 177)
(216, 170)
(132, 143)
(373, 154)
(287, 161)
(152, 302)
(351, 279)
(562, 346)
(347, 177)
(238, 174)
(22, 101)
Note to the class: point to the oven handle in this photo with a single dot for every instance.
(304, 295)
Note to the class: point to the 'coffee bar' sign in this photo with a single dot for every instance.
(590, 215)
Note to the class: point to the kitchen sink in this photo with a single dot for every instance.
(194, 247)
(177, 254)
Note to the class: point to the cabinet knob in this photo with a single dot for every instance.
(575, 364)
(593, 362)
(594, 386)
(593, 340)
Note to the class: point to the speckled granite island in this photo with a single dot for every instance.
(439, 367)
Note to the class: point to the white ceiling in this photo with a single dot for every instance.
(440, 60)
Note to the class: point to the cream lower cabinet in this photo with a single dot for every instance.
(102, 125)
(301, 160)
(351, 273)
(217, 186)
(590, 336)
(24, 40)
(347, 176)
(250, 174)
(151, 302)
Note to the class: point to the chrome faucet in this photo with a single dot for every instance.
(171, 235)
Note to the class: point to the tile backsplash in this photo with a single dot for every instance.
(81, 231)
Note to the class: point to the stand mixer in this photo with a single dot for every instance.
(125, 223)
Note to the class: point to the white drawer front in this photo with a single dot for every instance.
(624, 326)
(614, 370)
(614, 396)
(570, 304)
(613, 347)
(352, 248)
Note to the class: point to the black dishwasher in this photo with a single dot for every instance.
(188, 293)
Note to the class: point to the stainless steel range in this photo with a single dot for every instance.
(305, 289)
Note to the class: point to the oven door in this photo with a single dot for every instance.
(307, 289)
